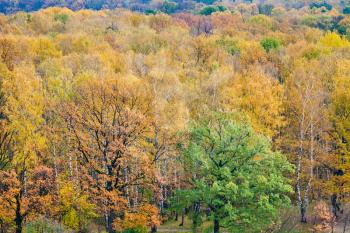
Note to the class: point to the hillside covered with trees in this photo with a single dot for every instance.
(167, 6)
(222, 116)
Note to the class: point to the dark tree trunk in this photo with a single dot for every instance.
(2, 227)
(345, 222)
(216, 225)
(110, 226)
(197, 207)
(109, 181)
(303, 214)
(335, 205)
(182, 217)
(109, 222)
(176, 215)
(109, 187)
(154, 229)
(19, 217)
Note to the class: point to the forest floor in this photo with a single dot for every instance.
(173, 226)
(343, 224)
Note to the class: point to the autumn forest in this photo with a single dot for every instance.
(174, 116)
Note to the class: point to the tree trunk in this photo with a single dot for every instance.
(2, 227)
(176, 216)
(55, 169)
(19, 217)
(161, 203)
(300, 155)
(25, 182)
(109, 222)
(196, 216)
(303, 213)
(346, 221)
(335, 205)
(182, 217)
(309, 183)
(109, 217)
(216, 225)
(106, 220)
(126, 180)
(154, 229)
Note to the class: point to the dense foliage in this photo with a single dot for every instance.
(119, 121)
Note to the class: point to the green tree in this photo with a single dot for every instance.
(236, 174)
(168, 7)
(63, 18)
(208, 10)
(208, 2)
(269, 44)
(346, 10)
(265, 9)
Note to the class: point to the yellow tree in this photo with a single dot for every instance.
(9, 53)
(260, 97)
(5, 133)
(305, 137)
(23, 109)
(340, 117)
(170, 116)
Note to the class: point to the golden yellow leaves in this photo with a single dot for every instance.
(260, 97)
(24, 108)
(333, 40)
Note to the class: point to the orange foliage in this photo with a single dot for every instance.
(142, 217)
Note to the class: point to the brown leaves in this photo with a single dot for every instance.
(108, 121)
(325, 218)
(42, 192)
(160, 22)
(198, 24)
(31, 194)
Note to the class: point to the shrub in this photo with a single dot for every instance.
(63, 18)
(45, 225)
(136, 230)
